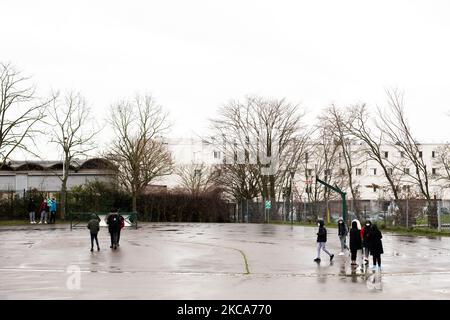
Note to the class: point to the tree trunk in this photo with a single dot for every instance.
(134, 201)
(63, 199)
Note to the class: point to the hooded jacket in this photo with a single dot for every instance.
(322, 233)
(113, 221)
(53, 205)
(365, 231)
(342, 228)
(358, 224)
(374, 241)
(31, 206)
(94, 224)
(355, 237)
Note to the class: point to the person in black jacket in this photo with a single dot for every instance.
(113, 222)
(32, 210)
(342, 234)
(355, 241)
(321, 241)
(375, 246)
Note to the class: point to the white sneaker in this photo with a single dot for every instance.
(341, 253)
(45, 222)
(39, 222)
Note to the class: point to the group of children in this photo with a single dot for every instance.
(367, 239)
(115, 223)
(47, 210)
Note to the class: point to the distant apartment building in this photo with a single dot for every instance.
(368, 175)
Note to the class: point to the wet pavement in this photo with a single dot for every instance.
(213, 261)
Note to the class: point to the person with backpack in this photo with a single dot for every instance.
(365, 231)
(113, 222)
(342, 234)
(94, 227)
(375, 246)
(321, 241)
(355, 242)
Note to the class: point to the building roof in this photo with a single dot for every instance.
(76, 164)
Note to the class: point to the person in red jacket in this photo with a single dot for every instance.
(43, 210)
(365, 231)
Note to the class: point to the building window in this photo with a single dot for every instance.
(306, 156)
(390, 171)
(308, 172)
(343, 172)
(340, 157)
(406, 188)
(197, 172)
(420, 154)
(386, 154)
(433, 171)
(402, 154)
(375, 188)
(406, 170)
(358, 171)
(216, 154)
(433, 154)
(327, 172)
(374, 171)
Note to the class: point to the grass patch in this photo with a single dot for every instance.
(397, 230)
(416, 232)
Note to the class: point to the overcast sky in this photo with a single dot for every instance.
(193, 56)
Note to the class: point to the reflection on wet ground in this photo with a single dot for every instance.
(216, 261)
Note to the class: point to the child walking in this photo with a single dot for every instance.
(94, 227)
(365, 240)
(342, 234)
(355, 242)
(375, 246)
(321, 241)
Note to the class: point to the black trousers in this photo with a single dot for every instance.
(377, 258)
(354, 253)
(94, 236)
(52, 216)
(114, 236)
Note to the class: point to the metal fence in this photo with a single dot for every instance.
(408, 213)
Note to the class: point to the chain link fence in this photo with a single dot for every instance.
(408, 213)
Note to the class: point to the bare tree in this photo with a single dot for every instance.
(396, 129)
(337, 122)
(372, 137)
(262, 134)
(195, 177)
(20, 111)
(137, 149)
(322, 161)
(72, 129)
(443, 163)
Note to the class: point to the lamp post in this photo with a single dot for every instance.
(292, 172)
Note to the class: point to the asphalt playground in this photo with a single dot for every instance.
(213, 261)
